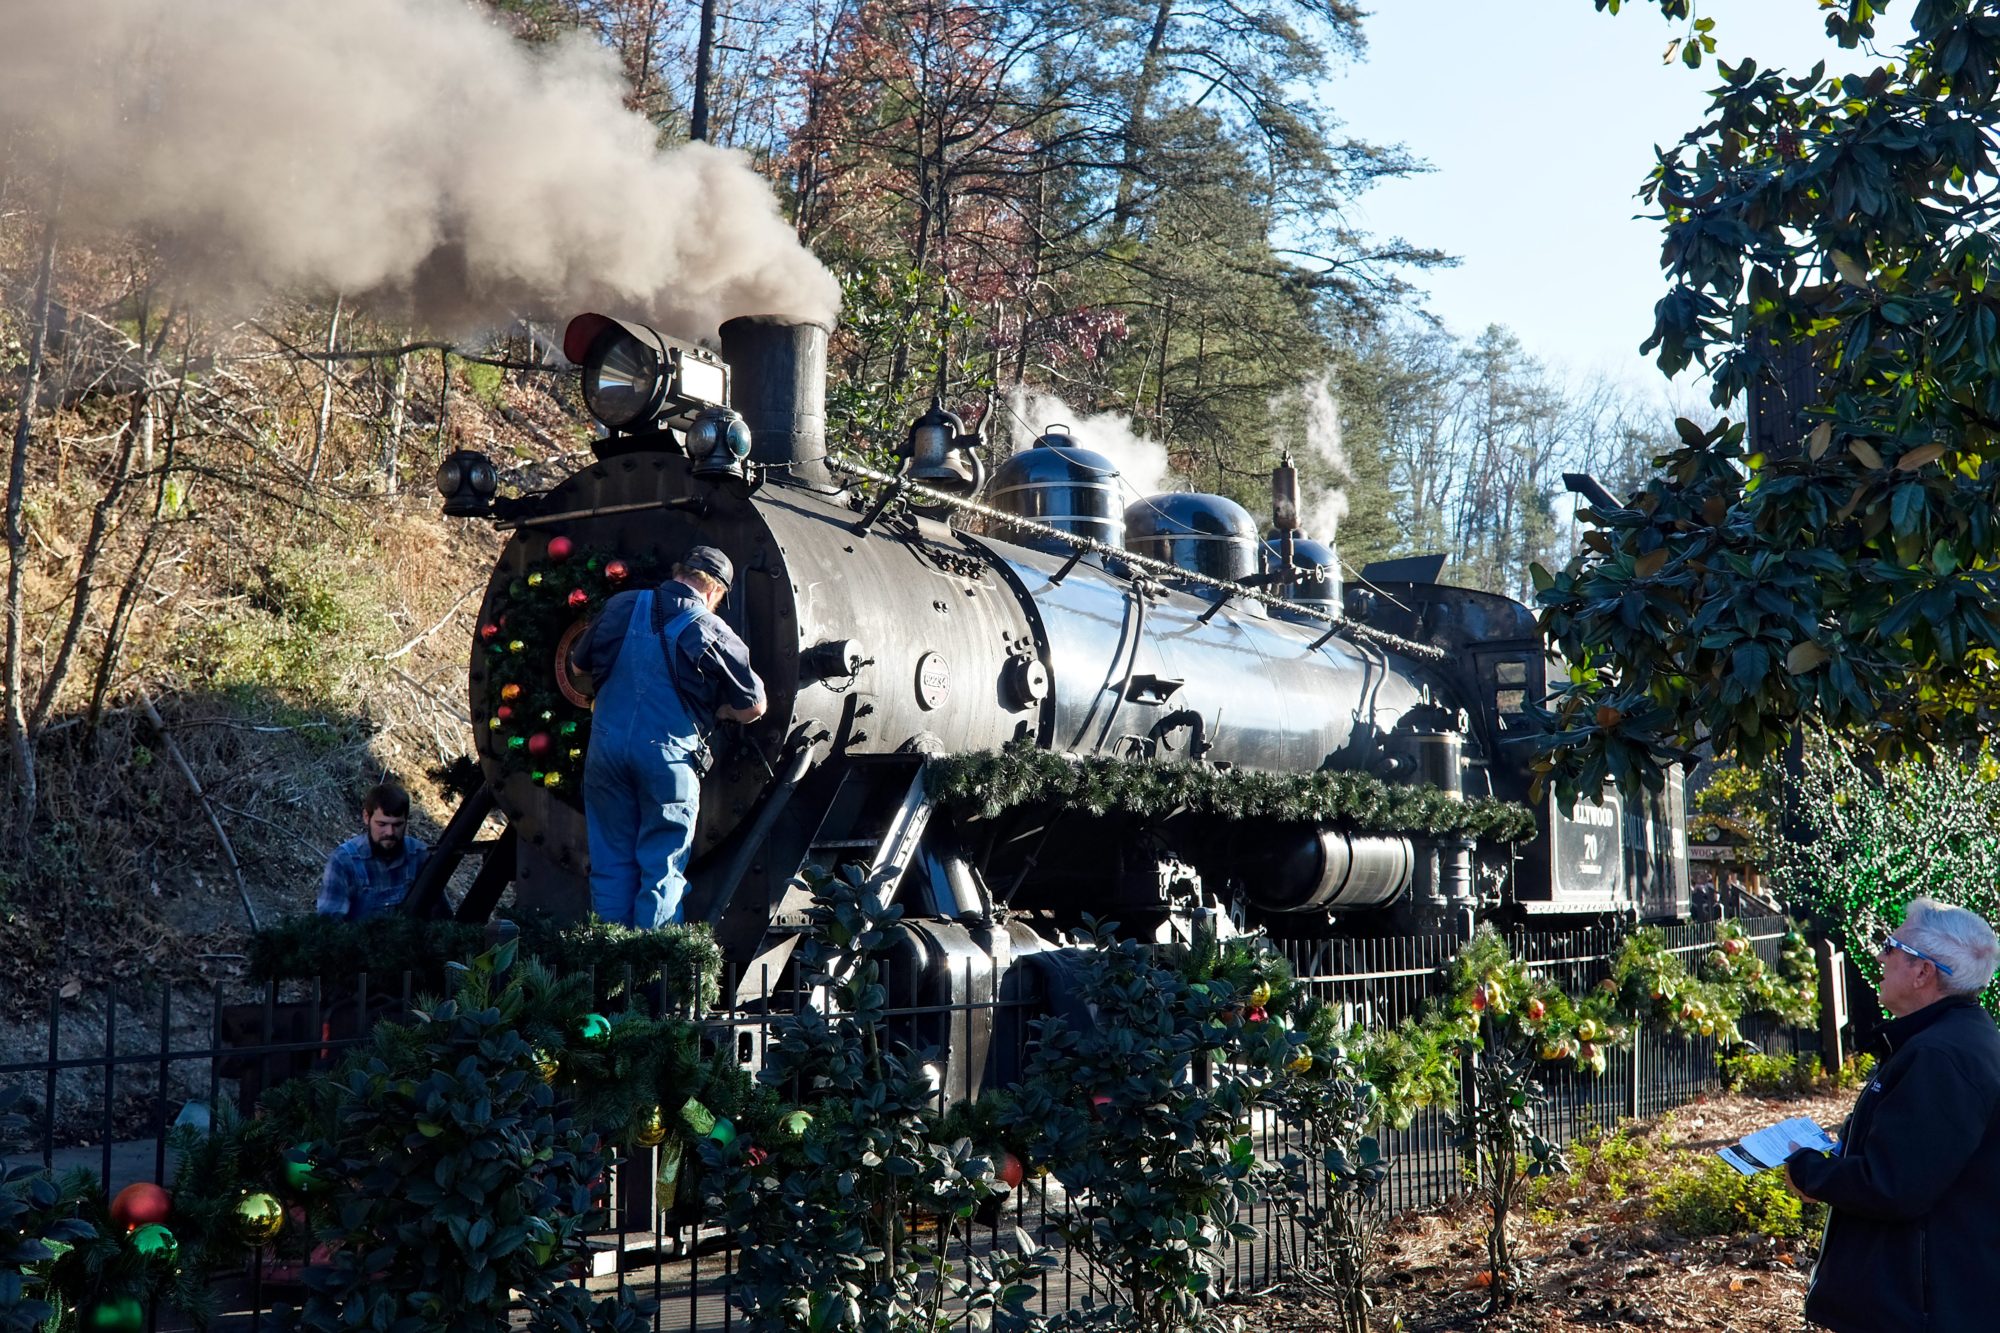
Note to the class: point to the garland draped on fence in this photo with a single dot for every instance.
(335, 1162)
(989, 782)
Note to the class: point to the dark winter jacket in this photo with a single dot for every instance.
(1914, 1232)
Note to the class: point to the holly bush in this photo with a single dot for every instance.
(859, 1216)
(1143, 1114)
(1500, 1126)
(39, 1220)
(466, 1188)
(1327, 1182)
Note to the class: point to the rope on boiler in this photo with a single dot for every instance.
(1423, 652)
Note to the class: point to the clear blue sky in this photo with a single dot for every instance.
(1539, 117)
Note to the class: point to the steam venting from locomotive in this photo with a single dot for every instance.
(406, 153)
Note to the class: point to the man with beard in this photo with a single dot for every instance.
(372, 871)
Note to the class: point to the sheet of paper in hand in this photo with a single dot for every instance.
(1769, 1147)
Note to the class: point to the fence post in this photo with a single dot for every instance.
(1632, 1086)
(1832, 1003)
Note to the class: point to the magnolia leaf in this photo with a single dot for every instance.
(1822, 439)
(1865, 451)
(1850, 271)
(1917, 457)
(1804, 657)
(1542, 578)
(1853, 502)
(1650, 563)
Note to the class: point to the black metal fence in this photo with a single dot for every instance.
(115, 1070)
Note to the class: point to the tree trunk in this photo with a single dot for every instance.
(139, 426)
(326, 394)
(704, 56)
(1135, 119)
(19, 737)
(393, 441)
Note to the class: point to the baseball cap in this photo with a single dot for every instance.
(708, 560)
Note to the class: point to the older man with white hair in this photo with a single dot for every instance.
(1914, 1188)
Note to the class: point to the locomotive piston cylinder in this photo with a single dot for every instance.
(1312, 868)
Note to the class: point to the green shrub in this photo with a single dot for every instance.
(1102, 1096)
(1761, 1075)
(862, 1219)
(467, 1187)
(1714, 1199)
(1614, 1162)
(38, 1221)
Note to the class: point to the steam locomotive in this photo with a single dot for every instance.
(950, 612)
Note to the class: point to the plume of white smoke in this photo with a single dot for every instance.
(1310, 415)
(1142, 463)
(393, 147)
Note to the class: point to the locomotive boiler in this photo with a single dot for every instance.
(946, 611)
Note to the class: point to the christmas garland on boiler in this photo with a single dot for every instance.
(989, 782)
(530, 723)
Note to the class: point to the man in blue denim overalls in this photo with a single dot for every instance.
(666, 667)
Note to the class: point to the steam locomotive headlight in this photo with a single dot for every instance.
(622, 378)
(467, 481)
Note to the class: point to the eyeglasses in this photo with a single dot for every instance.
(1891, 942)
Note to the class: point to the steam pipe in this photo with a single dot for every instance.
(780, 795)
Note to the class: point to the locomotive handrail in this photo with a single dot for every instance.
(1091, 546)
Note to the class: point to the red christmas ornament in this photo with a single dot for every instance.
(578, 597)
(1258, 1015)
(489, 632)
(540, 744)
(755, 1156)
(1100, 1103)
(136, 1205)
(1012, 1171)
(560, 548)
(617, 571)
(503, 712)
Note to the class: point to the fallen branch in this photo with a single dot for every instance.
(221, 834)
(446, 620)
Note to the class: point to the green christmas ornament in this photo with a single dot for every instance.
(300, 1169)
(724, 1132)
(153, 1241)
(120, 1314)
(517, 742)
(594, 563)
(594, 1028)
(535, 775)
(795, 1123)
(569, 728)
(260, 1217)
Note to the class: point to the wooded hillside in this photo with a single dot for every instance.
(256, 287)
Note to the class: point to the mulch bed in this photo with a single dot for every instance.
(1600, 1263)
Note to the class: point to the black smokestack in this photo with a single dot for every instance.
(778, 384)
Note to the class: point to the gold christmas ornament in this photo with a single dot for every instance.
(546, 1064)
(261, 1217)
(651, 1131)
